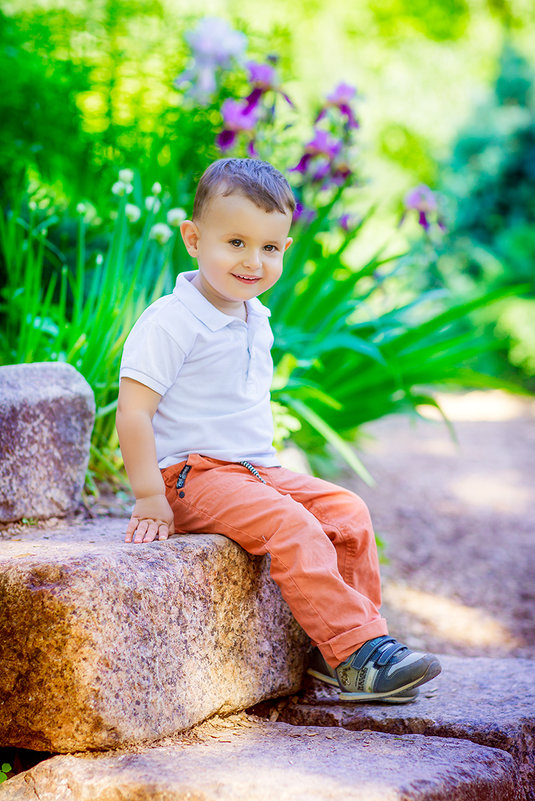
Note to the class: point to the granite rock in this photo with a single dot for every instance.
(46, 418)
(104, 642)
(488, 701)
(263, 761)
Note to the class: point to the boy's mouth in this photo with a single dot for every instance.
(246, 279)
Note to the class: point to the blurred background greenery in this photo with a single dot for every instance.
(413, 263)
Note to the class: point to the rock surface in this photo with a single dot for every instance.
(104, 643)
(263, 762)
(46, 417)
(487, 701)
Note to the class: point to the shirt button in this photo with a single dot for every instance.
(181, 494)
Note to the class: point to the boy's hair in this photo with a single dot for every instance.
(259, 181)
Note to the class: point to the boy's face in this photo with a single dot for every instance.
(239, 248)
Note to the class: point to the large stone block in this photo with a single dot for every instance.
(46, 417)
(104, 643)
(267, 762)
(488, 701)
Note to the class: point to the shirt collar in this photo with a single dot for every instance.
(203, 309)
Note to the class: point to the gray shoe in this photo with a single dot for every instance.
(319, 668)
(381, 670)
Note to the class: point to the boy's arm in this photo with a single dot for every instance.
(152, 516)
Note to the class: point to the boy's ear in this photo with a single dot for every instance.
(288, 243)
(190, 236)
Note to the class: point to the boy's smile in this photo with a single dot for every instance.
(239, 248)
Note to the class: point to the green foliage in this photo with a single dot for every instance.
(491, 181)
(349, 352)
(4, 770)
(38, 87)
(353, 343)
(437, 19)
(81, 313)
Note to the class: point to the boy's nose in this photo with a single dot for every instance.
(252, 259)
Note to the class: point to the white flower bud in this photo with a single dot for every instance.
(120, 188)
(152, 204)
(156, 188)
(99, 259)
(175, 217)
(133, 213)
(126, 176)
(80, 208)
(161, 233)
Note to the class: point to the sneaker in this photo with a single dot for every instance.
(381, 670)
(319, 668)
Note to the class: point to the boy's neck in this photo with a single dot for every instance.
(237, 309)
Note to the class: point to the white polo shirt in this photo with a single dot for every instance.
(213, 372)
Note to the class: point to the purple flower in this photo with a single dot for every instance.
(236, 118)
(214, 46)
(341, 98)
(263, 78)
(322, 144)
(343, 94)
(302, 214)
(423, 200)
(214, 41)
(346, 222)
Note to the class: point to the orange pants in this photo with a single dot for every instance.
(319, 536)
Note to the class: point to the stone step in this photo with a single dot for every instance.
(47, 412)
(246, 760)
(104, 643)
(487, 701)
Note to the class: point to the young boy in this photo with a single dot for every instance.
(195, 428)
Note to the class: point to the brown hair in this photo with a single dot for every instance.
(259, 181)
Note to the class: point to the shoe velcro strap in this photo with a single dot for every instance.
(368, 649)
(389, 652)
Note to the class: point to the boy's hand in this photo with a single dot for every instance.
(152, 517)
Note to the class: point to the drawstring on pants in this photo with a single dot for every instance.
(253, 470)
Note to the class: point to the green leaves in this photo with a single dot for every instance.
(336, 374)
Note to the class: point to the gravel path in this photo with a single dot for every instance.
(459, 524)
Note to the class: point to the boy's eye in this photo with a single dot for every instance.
(236, 243)
(270, 248)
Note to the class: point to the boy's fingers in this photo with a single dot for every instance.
(140, 531)
(163, 531)
(132, 525)
(151, 532)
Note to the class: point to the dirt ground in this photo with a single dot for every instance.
(458, 520)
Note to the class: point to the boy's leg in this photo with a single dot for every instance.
(345, 519)
(224, 498)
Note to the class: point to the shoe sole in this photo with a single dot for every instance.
(396, 698)
(432, 671)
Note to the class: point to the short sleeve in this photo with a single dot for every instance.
(152, 357)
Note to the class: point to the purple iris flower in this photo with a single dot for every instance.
(262, 75)
(236, 118)
(263, 78)
(341, 98)
(303, 214)
(422, 199)
(322, 144)
(214, 46)
(214, 41)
